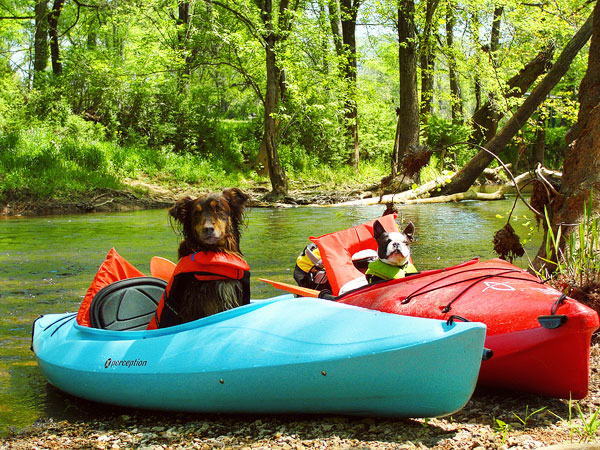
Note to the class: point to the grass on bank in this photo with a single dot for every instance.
(44, 162)
(577, 269)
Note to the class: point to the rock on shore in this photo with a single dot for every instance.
(490, 420)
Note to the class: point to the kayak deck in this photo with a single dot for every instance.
(540, 338)
(280, 356)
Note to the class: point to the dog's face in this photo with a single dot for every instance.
(393, 248)
(210, 222)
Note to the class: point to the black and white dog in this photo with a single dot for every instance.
(393, 251)
(393, 248)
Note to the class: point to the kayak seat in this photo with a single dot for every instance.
(126, 305)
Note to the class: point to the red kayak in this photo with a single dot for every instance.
(540, 338)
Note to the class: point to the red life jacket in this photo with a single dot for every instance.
(205, 266)
(337, 249)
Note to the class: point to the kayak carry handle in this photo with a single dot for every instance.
(487, 354)
(553, 321)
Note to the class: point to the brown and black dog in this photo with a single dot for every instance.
(209, 224)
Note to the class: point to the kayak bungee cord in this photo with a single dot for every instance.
(66, 317)
(65, 320)
(476, 280)
(410, 296)
(557, 303)
(484, 277)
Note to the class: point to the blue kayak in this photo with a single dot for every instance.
(282, 355)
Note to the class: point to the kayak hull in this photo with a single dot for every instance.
(282, 355)
(540, 361)
(519, 311)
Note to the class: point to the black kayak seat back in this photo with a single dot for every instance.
(126, 305)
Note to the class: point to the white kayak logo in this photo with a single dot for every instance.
(497, 286)
(124, 363)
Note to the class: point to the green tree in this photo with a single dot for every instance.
(407, 129)
(343, 15)
(581, 174)
(463, 180)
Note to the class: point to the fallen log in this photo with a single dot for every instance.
(421, 194)
(469, 195)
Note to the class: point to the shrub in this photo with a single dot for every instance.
(442, 134)
(577, 269)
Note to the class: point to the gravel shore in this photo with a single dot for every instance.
(490, 420)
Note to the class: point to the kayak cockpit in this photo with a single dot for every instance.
(126, 305)
(129, 305)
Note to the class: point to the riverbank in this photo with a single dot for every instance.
(490, 420)
(140, 194)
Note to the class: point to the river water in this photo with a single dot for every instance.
(47, 263)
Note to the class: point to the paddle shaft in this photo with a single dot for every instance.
(304, 292)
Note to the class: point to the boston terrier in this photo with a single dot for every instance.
(393, 250)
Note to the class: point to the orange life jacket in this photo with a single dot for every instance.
(202, 266)
(337, 249)
(113, 268)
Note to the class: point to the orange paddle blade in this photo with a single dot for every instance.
(304, 292)
(161, 268)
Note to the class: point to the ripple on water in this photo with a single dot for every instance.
(46, 266)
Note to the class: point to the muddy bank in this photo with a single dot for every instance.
(141, 196)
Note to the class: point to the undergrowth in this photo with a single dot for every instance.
(577, 267)
(75, 157)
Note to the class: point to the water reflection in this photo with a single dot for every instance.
(46, 265)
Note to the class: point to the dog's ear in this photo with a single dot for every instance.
(409, 231)
(180, 210)
(237, 201)
(378, 229)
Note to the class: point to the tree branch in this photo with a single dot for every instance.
(241, 17)
(16, 17)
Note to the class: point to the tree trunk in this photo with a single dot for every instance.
(539, 146)
(323, 19)
(40, 46)
(279, 182)
(427, 58)
(477, 88)
(485, 119)
(486, 124)
(495, 35)
(407, 130)
(349, 12)
(53, 32)
(342, 17)
(581, 174)
(474, 26)
(463, 180)
(455, 95)
(183, 26)
(335, 20)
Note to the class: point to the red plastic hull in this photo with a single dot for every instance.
(527, 356)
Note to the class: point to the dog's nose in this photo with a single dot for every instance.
(402, 249)
(208, 227)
